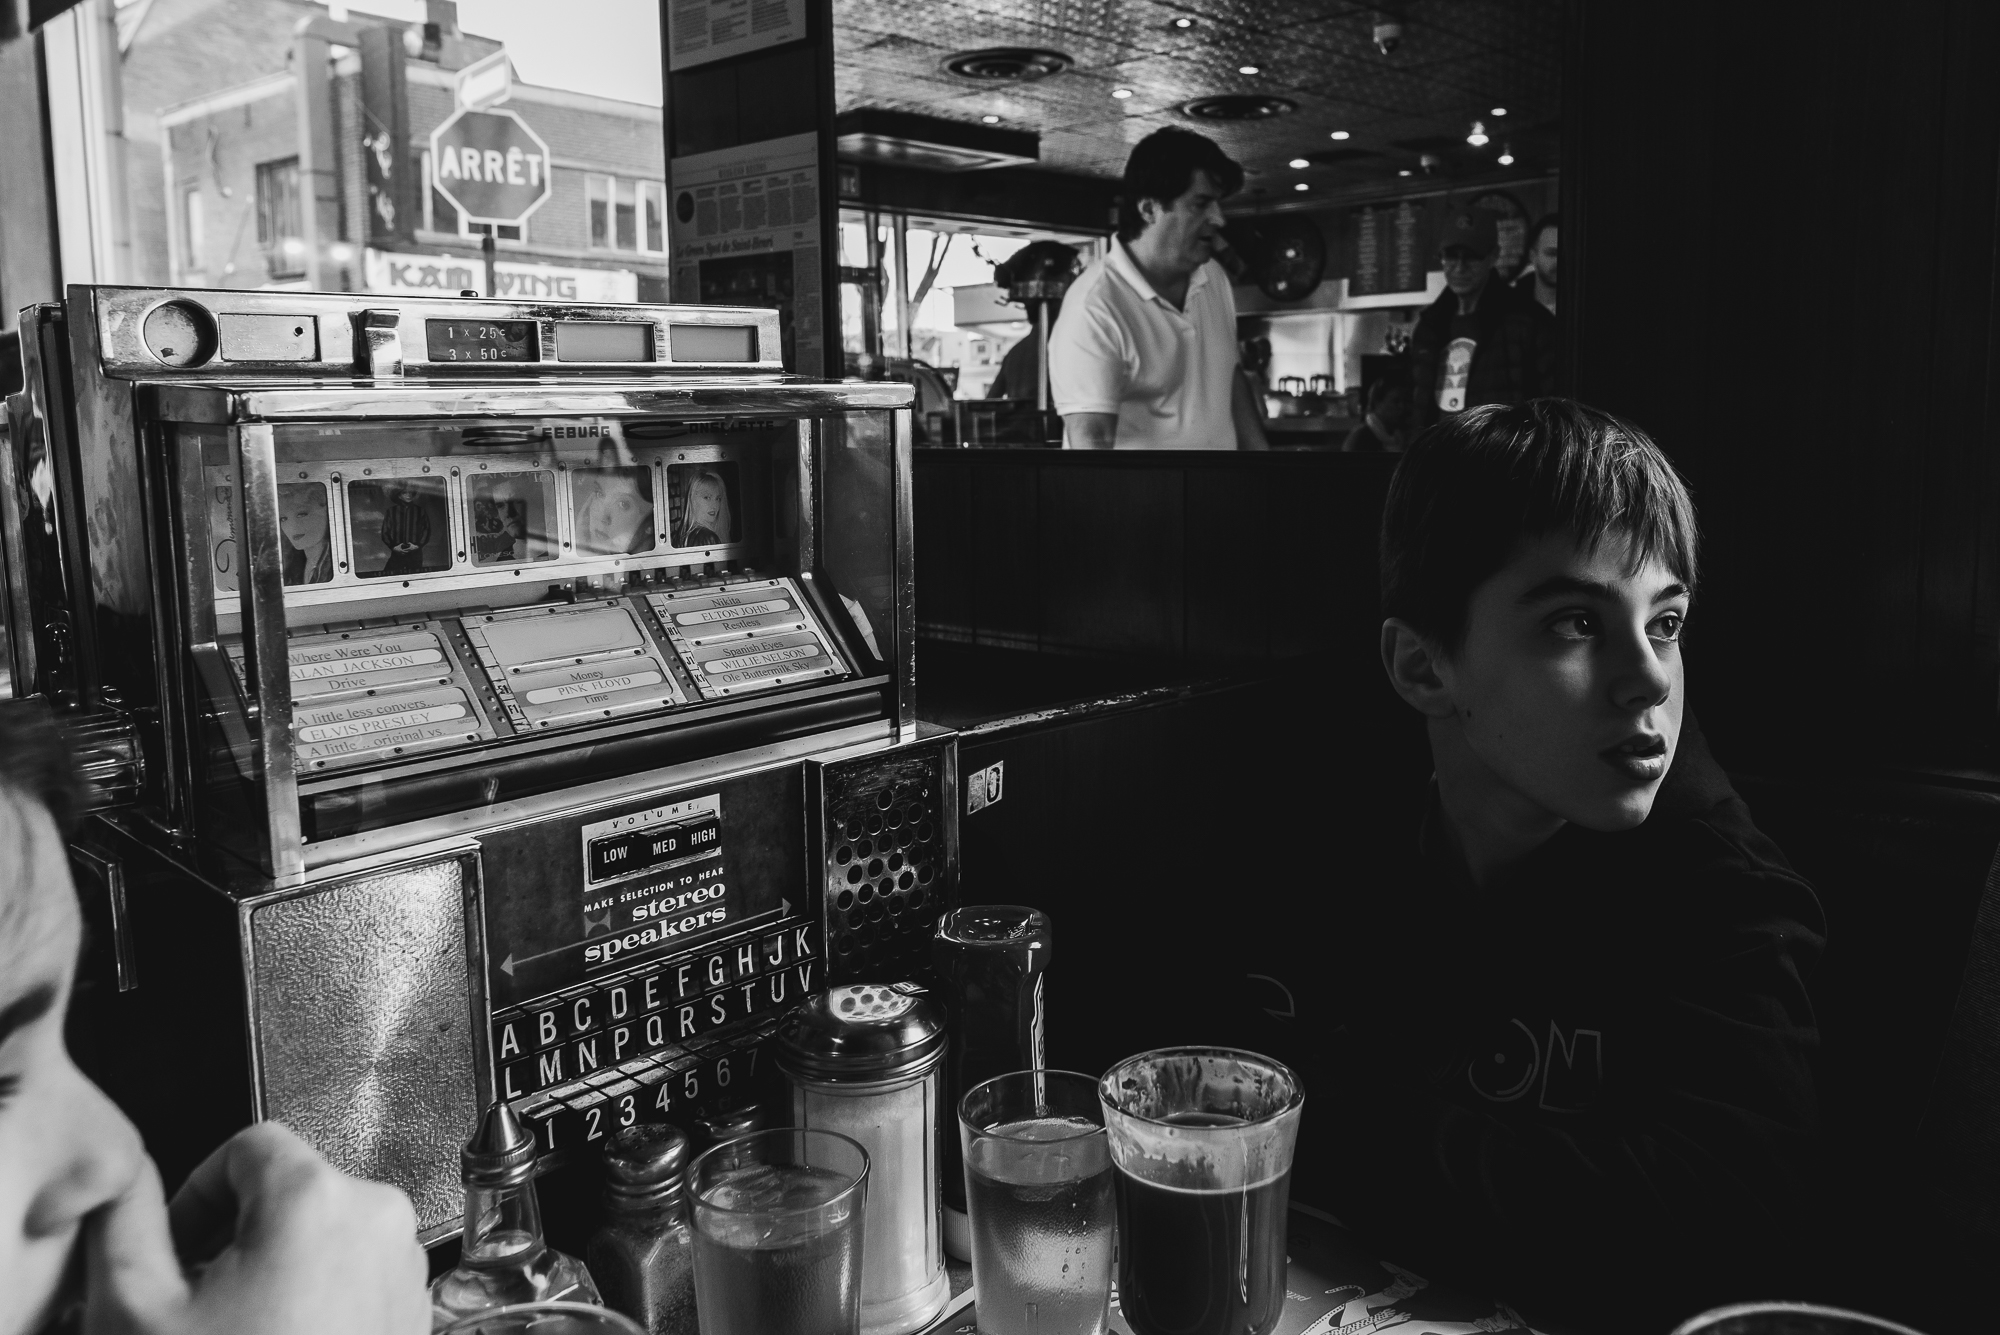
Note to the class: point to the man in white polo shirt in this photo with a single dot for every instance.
(1143, 356)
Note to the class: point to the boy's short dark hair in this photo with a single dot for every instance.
(1162, 167)
(1475, 485)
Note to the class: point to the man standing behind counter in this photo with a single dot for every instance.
(1143, 356)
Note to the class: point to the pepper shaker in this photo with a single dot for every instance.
(643, 1256)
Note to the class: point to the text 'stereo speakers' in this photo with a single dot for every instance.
(511, 700)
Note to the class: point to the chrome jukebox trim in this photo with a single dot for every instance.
(223, 400)
(262, 590)
(905, 648)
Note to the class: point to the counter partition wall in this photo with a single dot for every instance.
(523, 696)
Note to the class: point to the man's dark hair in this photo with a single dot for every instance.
(1473, 487)
(1162, 167)
(1543, 224)
(37, 763)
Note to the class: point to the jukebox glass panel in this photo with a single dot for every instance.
(475, 610)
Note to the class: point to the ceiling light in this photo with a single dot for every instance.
(1183, 23)
(1301, 186)
(990, 120)
(1246, 69)
(1404, 172)
(1499, 111)
(1121, 93)
(1339, 134)
(1506, 155)
(1299, 164)
(1478, 136)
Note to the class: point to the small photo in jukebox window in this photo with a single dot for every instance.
(612, 510)
(513, 517)
(398, 526)
(705, 504)
(305, 533)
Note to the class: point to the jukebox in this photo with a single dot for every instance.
(504, 700)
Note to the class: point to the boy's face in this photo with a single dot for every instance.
(1569, 686)
(64, 1149)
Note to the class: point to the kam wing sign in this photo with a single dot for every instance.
(491, 165)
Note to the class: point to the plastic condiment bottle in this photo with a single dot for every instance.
(502, 1256)
(643, 1256)
(866, 1060)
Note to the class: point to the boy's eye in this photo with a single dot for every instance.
(1667, 626)
(1575, 625)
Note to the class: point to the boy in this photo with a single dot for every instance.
(1576, 1063)
(285, 1243)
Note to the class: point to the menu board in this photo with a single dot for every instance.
(699, 31)
(746, 232)
(1391, 249)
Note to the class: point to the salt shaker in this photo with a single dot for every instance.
(866, 1060)
(643, 1256)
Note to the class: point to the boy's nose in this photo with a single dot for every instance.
(1642, 680)
(93, 1159)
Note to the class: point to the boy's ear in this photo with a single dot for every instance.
(1412, 661)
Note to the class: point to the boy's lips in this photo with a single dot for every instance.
(1641, 757)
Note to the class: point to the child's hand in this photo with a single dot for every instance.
(275, 1238)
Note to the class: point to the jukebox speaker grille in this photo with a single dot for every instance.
(362, 1030)
(887, 873)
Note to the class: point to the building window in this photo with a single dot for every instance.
(280, 226)
(194, 235)
(653, 217)
(626, 215)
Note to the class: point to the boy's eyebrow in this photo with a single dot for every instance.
(27, 1009)
(1557, 586)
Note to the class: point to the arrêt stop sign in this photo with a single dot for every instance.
(491, 165)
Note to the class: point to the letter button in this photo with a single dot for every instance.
(802, 944)
(773, 950)
(715, 969)
(513, 1035)
(744, 959)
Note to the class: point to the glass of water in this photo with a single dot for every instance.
(778, 1219)
(1038, 1190)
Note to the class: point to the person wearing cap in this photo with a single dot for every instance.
(1144, 356)
(1480, 341)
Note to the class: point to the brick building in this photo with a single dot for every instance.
(228, 195)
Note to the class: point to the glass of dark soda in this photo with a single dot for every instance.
(1201, 1141)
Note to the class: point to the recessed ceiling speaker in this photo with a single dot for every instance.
(1006, 64)
(1238, 107)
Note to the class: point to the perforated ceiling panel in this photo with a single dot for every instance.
(1458, 59)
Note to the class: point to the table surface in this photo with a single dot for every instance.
(1334, 1286)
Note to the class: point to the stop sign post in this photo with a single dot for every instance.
(491, 165)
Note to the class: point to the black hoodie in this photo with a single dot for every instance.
(1587, 1087)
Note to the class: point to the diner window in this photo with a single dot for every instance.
(234, 130)
(280, 230)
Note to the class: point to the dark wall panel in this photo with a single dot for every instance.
(1785, 270)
